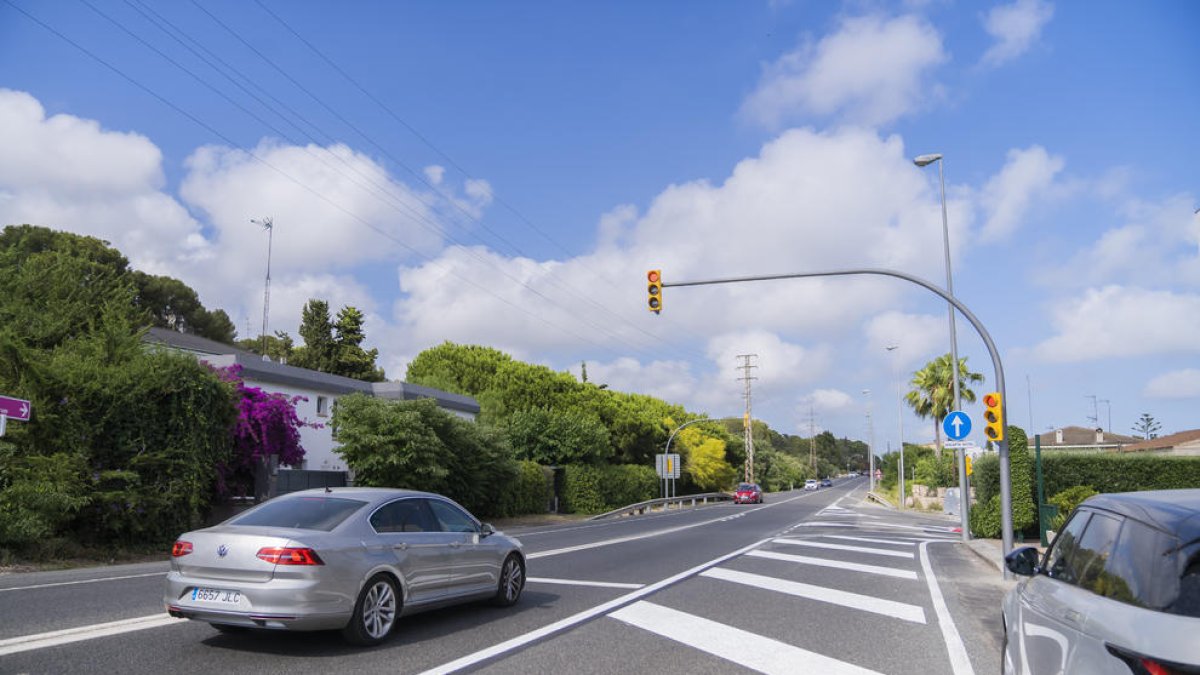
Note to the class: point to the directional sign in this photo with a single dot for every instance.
(15, 408)
(667, 465)
(957, 425)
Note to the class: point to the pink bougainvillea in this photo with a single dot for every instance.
(266, 425)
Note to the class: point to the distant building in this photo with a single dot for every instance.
(321, 390)
(1182, 443)
(1082, 439)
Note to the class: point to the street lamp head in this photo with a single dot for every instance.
(926, 160)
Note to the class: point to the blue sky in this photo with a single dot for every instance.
(504, 174)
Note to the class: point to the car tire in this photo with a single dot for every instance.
(375, 612)
(511, 583)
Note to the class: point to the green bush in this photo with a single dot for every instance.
(595, 489)
(529, 493)
(1066, 501)
(1119, 472)
(38, 495)
(985, 519)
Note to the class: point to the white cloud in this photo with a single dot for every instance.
(1117, 321)
(68, 173)
(1175, 384)
(1008, 196)
(872, 71)
(829, 400)
(1015, 27)
(917, 337)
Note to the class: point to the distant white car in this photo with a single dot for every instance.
(812, 484)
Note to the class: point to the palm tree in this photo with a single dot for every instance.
(932, 393)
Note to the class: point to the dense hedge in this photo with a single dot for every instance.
(1104, 472)
(985, 517)
(594, 489)
(529, 492)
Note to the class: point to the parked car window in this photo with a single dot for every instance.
(1141, 568)
(1060, 559)
(452, 518)
(1187, 601)
(404, 515)
(305, 513)
(1095, 547)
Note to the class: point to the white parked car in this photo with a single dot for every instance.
(812, 484)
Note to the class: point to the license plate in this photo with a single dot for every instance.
(217, 595)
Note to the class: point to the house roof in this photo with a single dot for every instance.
(254, 367)
(1164, 442)
(1082, 436)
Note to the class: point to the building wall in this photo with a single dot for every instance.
(317, 443)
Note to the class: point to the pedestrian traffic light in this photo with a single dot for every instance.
(654, 291)
(993, 414)
(967, 459)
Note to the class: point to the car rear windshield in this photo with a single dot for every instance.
(745, 487)
(304, 513)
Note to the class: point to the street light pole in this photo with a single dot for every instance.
(900, 418)
(870, 442)
(268, 225)
(959, 453)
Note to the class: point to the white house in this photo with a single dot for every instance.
(321, 390)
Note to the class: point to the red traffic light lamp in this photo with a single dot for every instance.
(654, 291)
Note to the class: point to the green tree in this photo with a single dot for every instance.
(316, 328)
(172, 304)
(932, 393)
(280, 347)
(552, 438)
(350, 359)
(1147, 427)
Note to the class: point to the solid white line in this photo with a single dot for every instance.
(69, 635)
(836, 564)
(647, 535)
(959, 661)
(81, 581)
(889, 542)
(841, 547)
(819, 523)
(586, 615)
(866, 603)
(732, 644)
(575, 582)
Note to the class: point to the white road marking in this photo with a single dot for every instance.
(576, 582)
(842, 547)
(889, 542)
(69, 635)
(581, 617)
(824, 523)
(866, 603)
(732, 644)
(959, 661)
(836, 564)
(647, 535)
(82, 581)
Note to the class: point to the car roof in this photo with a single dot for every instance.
(369, 494)
(1173, 511)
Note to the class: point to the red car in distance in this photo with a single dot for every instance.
(748, 493)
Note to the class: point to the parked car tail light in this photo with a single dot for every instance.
(1144, 665)
(289, 556)
(181, 548)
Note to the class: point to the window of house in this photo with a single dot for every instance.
(323, 406)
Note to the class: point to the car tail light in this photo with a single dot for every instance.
(289, 556)
(1145, 665)
(181, 548)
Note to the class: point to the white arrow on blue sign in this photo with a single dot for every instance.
(957, 425)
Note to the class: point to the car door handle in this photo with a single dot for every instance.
(400, 547)
(1073, 617)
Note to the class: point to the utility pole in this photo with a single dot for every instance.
(900, 418)
(746, 378)
(871, 443)
(1095, 418)
(812, 438)
(268, 225)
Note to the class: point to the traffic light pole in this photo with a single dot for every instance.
(1006, 532)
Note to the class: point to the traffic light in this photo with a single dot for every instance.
(994, 416)
(967, 459)
(654, 291)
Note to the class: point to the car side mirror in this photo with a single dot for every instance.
(1022, 561)
(487, 530)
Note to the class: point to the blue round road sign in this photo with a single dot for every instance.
(957, 425)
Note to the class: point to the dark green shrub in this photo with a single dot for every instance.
(985, 519)
(529, 492)
(38, 495)
(595, 489)
(1066, 501)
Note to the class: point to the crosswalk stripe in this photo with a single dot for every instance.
(836, 564)
(842, 547)
(866, 603)
(732, 644)
(889, 542)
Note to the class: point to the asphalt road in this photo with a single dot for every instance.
(807, 582)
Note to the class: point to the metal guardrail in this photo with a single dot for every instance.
(880, 500)
(665, 504)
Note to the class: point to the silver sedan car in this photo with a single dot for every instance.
(354, 559)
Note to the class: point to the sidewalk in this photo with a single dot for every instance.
(990, 550)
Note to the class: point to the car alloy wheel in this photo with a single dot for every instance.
(374, 613)
(512, 582)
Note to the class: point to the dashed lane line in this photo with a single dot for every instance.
(740, 647)
(835, 564)
(865, 603)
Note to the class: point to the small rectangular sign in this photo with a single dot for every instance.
(667, 465)
(15, 408)
(959, 444)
